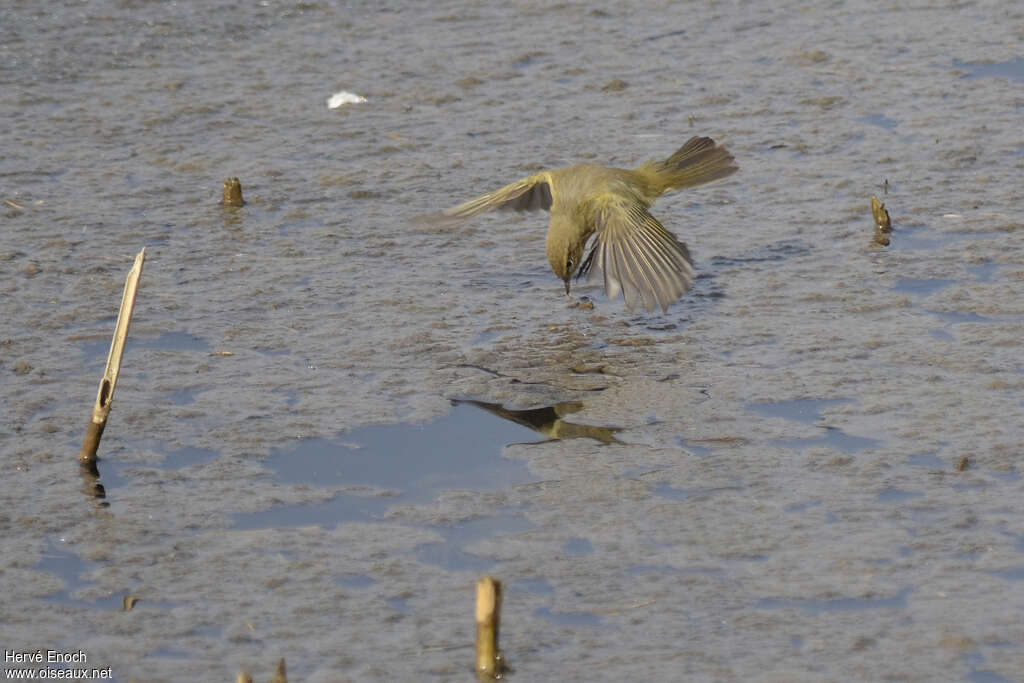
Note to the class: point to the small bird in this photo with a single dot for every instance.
(636, 254)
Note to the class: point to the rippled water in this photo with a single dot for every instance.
(775, 490)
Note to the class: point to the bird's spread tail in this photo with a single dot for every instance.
(697, 162)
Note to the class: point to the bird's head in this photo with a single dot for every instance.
(566, 239)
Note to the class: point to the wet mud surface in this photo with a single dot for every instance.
(766, 483)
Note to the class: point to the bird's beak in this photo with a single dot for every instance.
(567, 286)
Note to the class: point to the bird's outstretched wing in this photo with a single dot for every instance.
(532, 193)
(636, 254)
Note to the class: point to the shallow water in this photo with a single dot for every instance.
(765, 484)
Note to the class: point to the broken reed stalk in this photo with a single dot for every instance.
(231, 193)
(105, 395)
(280, 675)
(880, 215)
(883, 226)
(489, 662)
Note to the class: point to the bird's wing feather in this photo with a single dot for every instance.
(636, 255)
(531, 193)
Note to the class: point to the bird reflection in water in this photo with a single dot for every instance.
(548, 420)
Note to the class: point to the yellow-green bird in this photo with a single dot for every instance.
(636, 254)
